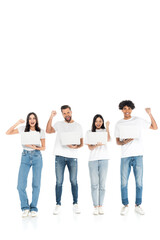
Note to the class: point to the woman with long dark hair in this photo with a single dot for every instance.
(31, 157)
(98, 165)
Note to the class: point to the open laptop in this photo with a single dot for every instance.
(32, 138)
(127, 132)
(92, 138)
(70, 138)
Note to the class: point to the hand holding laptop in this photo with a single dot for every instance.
(73, 146)
(32, 146)
(99, 144)
(125, 141)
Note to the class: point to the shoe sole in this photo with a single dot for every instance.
(123, 214)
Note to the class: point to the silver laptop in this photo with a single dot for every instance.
(92, 138)
(70, 138)
(129, 132)
(32, 138)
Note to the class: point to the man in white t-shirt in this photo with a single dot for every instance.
(132, 152)
(65, 155)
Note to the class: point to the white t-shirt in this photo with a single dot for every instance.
(100, 152)
(61, 127)
(135, 147)
(41, 136)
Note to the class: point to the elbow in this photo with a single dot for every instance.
(47, 131)
(154, 127)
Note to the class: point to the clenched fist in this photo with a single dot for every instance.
(148, 110)
(53, 114)
(20, 121)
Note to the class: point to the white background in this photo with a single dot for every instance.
(90, 55)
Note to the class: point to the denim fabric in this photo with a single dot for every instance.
(98, 173)
(30, 159)
(60, 163)
(137, 163)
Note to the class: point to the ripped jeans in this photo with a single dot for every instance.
(60, 163)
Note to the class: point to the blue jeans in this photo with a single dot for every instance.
(137, 163)
(30, 159)
(98, 173)
(60, 163)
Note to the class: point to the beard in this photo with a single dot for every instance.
(68, 119)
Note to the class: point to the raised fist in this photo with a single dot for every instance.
(53, 114)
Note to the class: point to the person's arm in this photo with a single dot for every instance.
(36, 147)
(107, 130)
(12, 129)
(49, 128)
(153, 122)
(123, 142)
(77, 146)
(92, 147)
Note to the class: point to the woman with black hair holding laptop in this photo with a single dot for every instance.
(98, 165)
(31, 157)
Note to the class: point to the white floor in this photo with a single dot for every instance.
(68, 225)
(85, 225)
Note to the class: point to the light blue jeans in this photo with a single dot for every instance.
(98, 173)
(30, 159)
(126, 163)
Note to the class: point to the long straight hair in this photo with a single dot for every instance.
(93, 124)
(27, 128)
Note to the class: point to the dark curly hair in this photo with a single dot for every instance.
(127, 103)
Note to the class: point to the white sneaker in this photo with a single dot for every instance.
(57, 210)
(33, 213)
(76, 209)
(25, 213)
(100, 210)
(124, 210)
(139, 210)
(95, 212)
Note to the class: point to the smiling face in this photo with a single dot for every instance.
(127, 112)
(67, 114)
(32, 121)
(98, 123)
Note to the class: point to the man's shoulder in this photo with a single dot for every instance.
(77, 124)
(120, 121)
(134, 118)
(59, 122)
